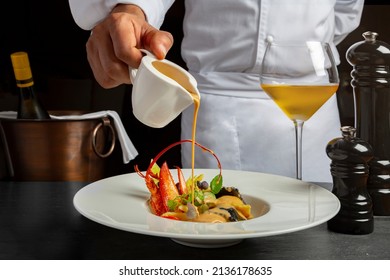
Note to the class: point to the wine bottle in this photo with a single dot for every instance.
(30, 106)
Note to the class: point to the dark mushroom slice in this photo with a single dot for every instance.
(229, 191)
(228, 212)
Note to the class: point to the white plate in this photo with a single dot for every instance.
(120, 202)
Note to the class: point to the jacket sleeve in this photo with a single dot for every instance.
(88, 13)
(347, 17)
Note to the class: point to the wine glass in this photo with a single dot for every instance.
(300, 76)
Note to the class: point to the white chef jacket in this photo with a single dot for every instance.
(223, 45)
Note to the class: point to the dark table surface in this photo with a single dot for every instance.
(38, 221)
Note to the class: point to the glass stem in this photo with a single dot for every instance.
(298, 143)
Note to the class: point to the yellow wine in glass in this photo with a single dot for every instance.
(300, 76)
(300, 102)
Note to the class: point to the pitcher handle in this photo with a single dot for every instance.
(133, 71)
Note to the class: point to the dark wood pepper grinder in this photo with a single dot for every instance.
(371, 88)
(349, 169)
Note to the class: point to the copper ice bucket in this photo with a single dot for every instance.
(57, 150)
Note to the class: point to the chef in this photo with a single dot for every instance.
(223, 46)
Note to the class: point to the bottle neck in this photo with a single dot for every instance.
(27, 92)
(26, 88)
(25, 83)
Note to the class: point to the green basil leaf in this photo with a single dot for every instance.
(216, 184)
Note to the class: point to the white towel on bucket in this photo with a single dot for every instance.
(128, 149)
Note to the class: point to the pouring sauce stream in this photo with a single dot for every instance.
(183, 80)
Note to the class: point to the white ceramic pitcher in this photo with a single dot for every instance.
(161, 90)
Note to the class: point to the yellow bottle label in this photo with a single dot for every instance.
(22, 69)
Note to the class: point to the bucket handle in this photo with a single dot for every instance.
(105, 122)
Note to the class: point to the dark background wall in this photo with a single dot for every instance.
(64, 81)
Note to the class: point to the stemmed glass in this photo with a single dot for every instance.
(300, 76)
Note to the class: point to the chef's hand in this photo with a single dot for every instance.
(115, 42)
